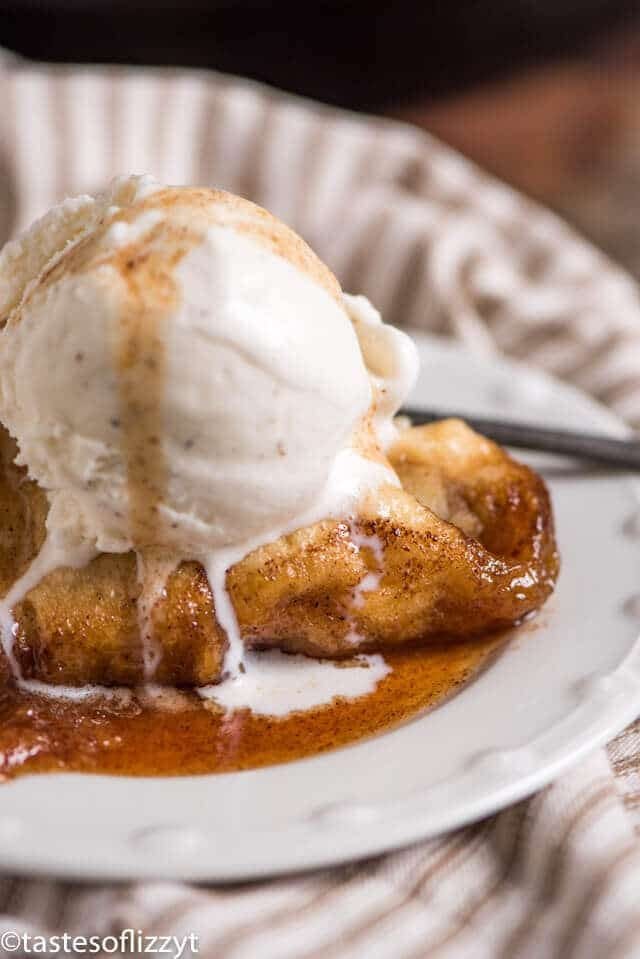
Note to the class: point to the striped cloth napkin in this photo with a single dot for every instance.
(434, 243)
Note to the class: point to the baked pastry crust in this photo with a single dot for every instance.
(466, 546)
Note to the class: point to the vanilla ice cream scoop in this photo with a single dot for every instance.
(177, 366)
(182, 373)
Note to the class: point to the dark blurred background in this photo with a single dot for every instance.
(543, 93)
(362, 55)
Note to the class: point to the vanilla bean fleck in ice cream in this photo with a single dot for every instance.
(185, 378)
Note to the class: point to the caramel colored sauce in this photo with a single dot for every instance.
(188, 736)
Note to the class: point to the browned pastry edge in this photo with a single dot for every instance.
(468, 547)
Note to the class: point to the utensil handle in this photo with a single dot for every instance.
(599, 449)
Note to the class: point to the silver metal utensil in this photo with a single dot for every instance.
(622, 453)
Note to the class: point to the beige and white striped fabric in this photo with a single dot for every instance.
(435, 244)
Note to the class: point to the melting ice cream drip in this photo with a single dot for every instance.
(52, 555)
(351, 478)
(9, 631)
(276, 684)
(153, 574)
(371, 580)
(217, 565)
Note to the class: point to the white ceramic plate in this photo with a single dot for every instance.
(554, 694)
